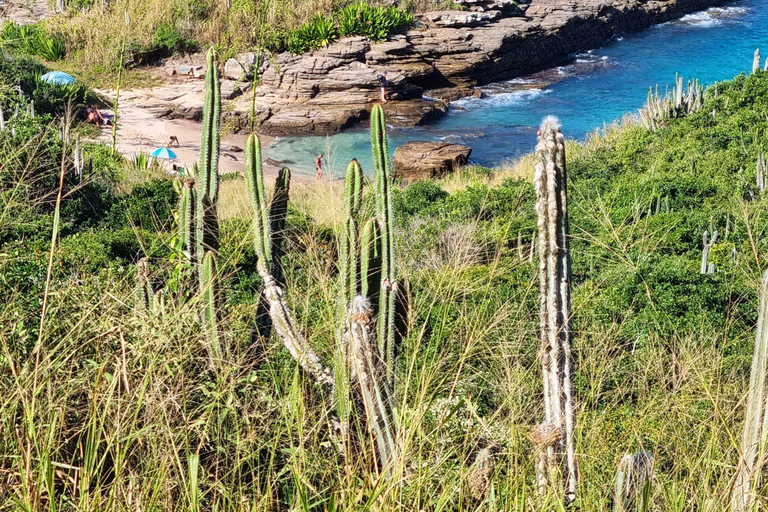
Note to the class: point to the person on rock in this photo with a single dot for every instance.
(383, 86)
(319, 167)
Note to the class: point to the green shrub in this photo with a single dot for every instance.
(375, 22)
(320, 31)
(149, 206)
(359, 19)
(169, 40)
(33, 40)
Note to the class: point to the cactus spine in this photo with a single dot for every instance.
(555, 311)
(386, 321)
(756, 421)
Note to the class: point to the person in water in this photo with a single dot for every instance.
(383, 86)
(319, 167)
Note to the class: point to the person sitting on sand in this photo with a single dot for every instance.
(174, 139)
(383, 86)
(319, 166)
(93, 116)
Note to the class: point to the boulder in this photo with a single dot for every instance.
(428, 160)
(233, 70)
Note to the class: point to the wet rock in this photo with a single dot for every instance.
(428, 160)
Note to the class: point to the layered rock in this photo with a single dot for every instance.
(446, 53)
(445, 56)
(428, 160)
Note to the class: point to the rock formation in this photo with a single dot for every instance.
(427, 160)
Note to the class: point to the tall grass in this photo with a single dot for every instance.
(118, 409)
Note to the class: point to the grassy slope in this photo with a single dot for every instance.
(118, 408)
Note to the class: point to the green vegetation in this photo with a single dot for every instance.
(109, 405)
(33, 40)
(154, 28)
(358, 19)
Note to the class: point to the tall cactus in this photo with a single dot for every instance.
(282, 320)
(386, 322)
(756, 61)
(550, 181)
(206, 215)
(348, 252)
(755, 434)
(206, 224)
(760, 170)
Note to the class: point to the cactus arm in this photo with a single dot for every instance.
(370, 260)
(261, 229)
(278, 211)
(186, 220)
(208, 171)
(366, 368)
(386, 321)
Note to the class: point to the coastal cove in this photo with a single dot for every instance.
(593, 88)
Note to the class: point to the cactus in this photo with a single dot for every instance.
(633, 479)
(186, 219)
(386, 321)
(278, 211)
(348, 252)
(756, 420)
(756, 61)
(282, 320)
(706, 267)
(206, 222)
(681, 101)
(761, 169)
(550, 181)
(371, 377)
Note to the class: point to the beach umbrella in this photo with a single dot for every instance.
(58, 78)
(165, 153)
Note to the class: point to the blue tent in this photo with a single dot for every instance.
(58, 78)
(163, 153)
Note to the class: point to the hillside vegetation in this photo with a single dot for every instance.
(104, 407)
(90, 34)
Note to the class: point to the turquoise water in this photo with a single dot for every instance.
(593, 88)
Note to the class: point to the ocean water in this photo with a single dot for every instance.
(593, 88)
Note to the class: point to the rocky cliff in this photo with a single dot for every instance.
(443, 57)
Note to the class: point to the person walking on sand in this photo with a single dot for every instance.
(319, 167)
(383, 86)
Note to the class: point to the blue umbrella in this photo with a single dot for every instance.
(58, 78)
(163, 153)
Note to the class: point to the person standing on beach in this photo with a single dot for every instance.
(319, 167)
(383, 86)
